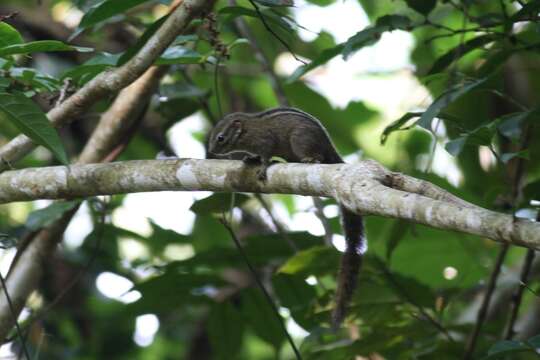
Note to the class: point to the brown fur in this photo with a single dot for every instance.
(294, 136)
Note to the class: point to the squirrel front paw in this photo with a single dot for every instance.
(261, 173)
(252, 159)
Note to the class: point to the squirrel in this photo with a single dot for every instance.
(294, 136)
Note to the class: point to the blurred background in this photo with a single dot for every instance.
(158, 274)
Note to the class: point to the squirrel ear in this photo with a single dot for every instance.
(237, 123)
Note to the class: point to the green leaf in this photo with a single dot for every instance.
(447, 98)
(508, 125)
(400, 124)
(180, 55)
(325, 56)
(161, 237)
(534, 341)
(9, 35)
(40, 46)
(172, 290)
(321, 2)
(449, 248)
(506, 157)
(459, 51)
(261, 250)
(454, 147)
(33, 78)
(397, 232)
(235, 43)
(225, 330)
(506, 347)
(397, 125)
(83, 73)
(293, 291)
(262, 318)
(43, 217)
(313, 261)
(278, 3)
(32, 121)
(511, 125)
(424, 7)
(407, 287)
(372, 34)
(361, 39)
(394, 22)
(106, 10)
(175, 109)
(218, 203)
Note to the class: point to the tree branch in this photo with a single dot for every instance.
(362, 188)
(113, 129)
(109, 81)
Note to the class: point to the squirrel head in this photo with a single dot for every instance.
(224, 135)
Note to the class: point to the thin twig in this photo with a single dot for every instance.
(12, 311)
(269, 29)
(437, 25)
(245, 32)
(481, 316)
(431, 158)
(463, 32)
(64, 91)
(508, 97)
(216, 86)
(518, 294)
(261, 286)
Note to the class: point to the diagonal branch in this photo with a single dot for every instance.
(113, 130)
(361, 187)
(110, 81)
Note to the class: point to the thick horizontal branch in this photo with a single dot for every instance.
(366, 188)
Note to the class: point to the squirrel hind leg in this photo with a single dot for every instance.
(305, 148)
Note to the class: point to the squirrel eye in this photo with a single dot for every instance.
(220, 138)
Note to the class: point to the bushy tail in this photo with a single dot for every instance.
(351, 261)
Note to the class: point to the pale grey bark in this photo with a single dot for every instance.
(366, 188)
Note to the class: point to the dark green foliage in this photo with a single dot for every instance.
(419, 288)
(31, 121)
